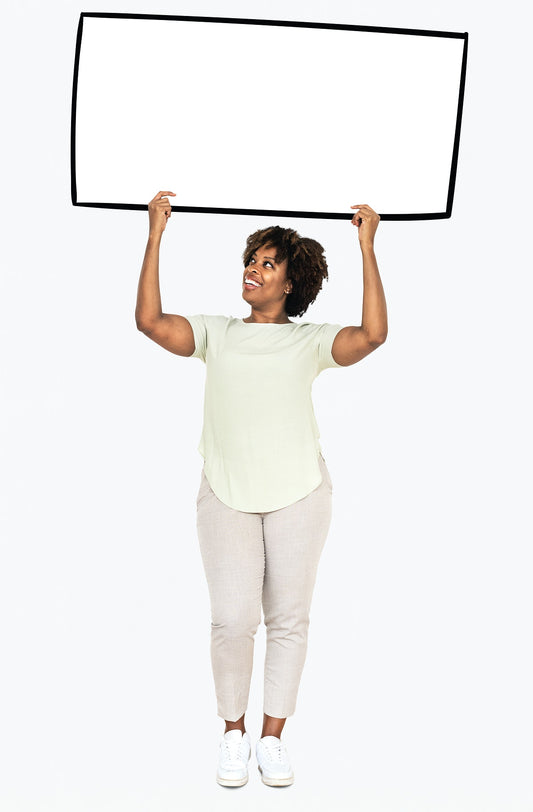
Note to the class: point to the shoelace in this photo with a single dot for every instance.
(276, 752)
(233, 750)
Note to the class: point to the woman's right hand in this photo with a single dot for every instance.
(159, 211)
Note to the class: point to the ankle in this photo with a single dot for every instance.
(237, 725)
(273, 726)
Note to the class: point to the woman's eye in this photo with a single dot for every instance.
(266, 262)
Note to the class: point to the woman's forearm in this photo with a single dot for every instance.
(374, 318)
(148, 307)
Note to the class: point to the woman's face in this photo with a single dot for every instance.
(269, 276)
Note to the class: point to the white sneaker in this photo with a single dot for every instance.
(233, 757)
(273, 762)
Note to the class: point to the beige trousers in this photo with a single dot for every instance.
(261, 559)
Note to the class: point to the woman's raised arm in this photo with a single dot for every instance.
(170, 331)
(353, 343)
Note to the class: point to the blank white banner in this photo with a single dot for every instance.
(266, 117)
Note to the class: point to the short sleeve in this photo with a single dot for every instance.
(325, 337)
(199, 328)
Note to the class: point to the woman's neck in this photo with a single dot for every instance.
(252, 319)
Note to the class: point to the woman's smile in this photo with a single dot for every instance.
(251, 284)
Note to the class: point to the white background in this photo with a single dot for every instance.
(416, 694)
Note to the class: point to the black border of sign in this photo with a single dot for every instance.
(271, 212)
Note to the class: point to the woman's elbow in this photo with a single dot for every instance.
(377, 339)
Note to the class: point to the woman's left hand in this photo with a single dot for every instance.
(366, 220)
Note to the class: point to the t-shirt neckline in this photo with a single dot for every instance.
(269, 323)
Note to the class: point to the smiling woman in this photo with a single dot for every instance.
(266, 259)
(265, 495)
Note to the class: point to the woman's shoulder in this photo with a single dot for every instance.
(210, 318)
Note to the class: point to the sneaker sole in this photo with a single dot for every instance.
(275, 782)
(232, 782)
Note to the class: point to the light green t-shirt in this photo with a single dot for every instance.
(260, 438)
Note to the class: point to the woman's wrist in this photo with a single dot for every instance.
(154, 236)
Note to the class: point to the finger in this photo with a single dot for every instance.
(158, 195)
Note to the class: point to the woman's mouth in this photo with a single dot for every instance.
(251, 285)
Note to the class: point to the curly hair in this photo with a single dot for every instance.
(306, 268)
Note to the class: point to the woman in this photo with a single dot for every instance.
(264, 502)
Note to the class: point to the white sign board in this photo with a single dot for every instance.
(266, 117)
